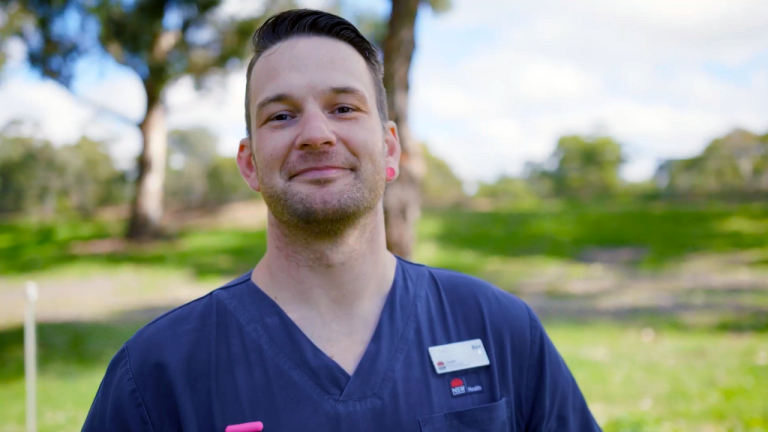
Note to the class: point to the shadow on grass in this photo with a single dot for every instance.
(68, 345)
(664, 232)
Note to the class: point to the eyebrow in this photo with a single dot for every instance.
(278, 98)
(346, 90)
(284, 97)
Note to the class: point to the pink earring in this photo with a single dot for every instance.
(390, 173)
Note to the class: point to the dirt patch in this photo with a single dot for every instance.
(242, 214)
(78, 298)
(618, 255)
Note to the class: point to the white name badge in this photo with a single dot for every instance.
(458, 356)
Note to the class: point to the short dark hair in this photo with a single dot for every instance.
(306, 22)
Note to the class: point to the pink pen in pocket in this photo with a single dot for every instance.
(245, 427)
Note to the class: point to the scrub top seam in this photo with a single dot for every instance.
(283, 357)
(402, 344)
(136, 386)
(228, 285)
(527, 377)
(236, 281)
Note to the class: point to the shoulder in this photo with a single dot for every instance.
(181, 330)
(472, 296)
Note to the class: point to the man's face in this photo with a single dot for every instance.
(320, 149)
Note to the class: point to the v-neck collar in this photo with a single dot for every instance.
(381, 358)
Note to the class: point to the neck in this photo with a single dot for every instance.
(348, 272)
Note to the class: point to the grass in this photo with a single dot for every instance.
(73, 358)
(466, 239)
(678, 381)
(663, 233)
(681, 376)
(41, 248)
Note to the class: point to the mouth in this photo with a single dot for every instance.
(320, 172)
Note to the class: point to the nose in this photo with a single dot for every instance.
(315, 130)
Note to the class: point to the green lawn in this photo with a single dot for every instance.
(464, 238)
(675, 377)
(679, 381)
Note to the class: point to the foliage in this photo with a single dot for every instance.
(734, 164)
(225, 184)
(28, 173)
(190, 153)
(440, 187)
(197, 176)
(587, 168)
(91, 180)
(159, 40)
(36, 176)
(580, 169)
(507, 193)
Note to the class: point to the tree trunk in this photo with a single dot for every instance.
(402, 198)
(147, 206)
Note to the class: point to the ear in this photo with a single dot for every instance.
(246, 164)
(392, 147)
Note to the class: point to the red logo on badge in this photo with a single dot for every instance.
(459, 387)
(440, 365)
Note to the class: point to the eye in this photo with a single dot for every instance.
(279, 117)
(344, 109)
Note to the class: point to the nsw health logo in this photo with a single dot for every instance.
(459, 387)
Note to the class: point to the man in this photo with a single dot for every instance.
(331, 332)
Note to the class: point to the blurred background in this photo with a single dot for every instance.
(605, 161)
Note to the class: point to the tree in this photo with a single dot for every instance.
(30, 174)
(161, 40)
(507, 193)
(224, 184)
(90, 179)
(197, 175)
(36, 176)
(402, 199)
(736, 163)
(191, 152)
(587, 168)
(440, 187)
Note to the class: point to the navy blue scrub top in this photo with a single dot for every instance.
(233, 356)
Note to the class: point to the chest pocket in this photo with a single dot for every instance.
(486, 418)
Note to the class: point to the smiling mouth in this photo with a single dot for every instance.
(320, 172)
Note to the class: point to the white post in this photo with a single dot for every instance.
(30, 356)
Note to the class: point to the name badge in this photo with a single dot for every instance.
(458, 356)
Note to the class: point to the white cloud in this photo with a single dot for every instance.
(663, 78)
(55, 111)
(495, 83)
(219, 106)
(253, 8)
(15, 51)
(241, 8)
(122, 94)
(639, 169)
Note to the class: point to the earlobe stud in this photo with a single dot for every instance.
(390, 173)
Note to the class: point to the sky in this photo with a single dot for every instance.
(494, 83)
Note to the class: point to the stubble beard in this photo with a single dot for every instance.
(327, 214)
